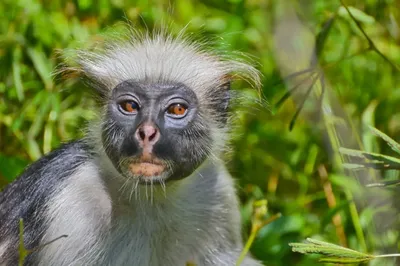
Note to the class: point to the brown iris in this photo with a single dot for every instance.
(129, 106)
(177, 109)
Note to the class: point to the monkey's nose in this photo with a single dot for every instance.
(147, 133)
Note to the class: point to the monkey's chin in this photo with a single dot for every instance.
(147, 172)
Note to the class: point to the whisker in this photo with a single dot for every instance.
(133, 188)
(147, 196)
(151, 192)
(137, 191)
(163, 188)
(124, 185)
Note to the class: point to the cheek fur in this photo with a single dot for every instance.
(192, 146)
(113, 138)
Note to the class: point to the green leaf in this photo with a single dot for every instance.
(33, 149)
(40, 116)
(345, 182)
(37, 99)
(385, 183)
(357, 13)
(344, 260)
(368, 118)
(392, 143)
(333, 253)
(16, 67)
(85, 4)
(323, 35)
(378, 161)
(42, 65)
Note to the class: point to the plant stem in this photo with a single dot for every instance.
(255, 228)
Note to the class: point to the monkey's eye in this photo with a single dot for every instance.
(129, 106)
(177, 110)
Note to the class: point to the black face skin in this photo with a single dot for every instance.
(184, 141)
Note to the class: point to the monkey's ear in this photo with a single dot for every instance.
(219, 100)
(226, 95)
(98, 91)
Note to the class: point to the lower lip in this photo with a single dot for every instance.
(146, 169)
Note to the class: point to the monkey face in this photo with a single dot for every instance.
(155, 132)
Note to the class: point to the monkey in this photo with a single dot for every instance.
(147, 184)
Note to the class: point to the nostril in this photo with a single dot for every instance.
(152, 135)
(147, 133)
(142, 134)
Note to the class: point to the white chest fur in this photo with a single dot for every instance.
(192, 220)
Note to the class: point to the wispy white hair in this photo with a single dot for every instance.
(161, 58)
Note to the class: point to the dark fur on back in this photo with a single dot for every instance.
(27, 196)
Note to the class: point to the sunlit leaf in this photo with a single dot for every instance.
(357, 13)
(16, 66)
(42, 65)
(392, 143)
(330, 252)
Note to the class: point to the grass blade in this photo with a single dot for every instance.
(16, 72)
(378, 161)
(392, 143)
(42, 66)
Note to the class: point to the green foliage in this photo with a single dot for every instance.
(334, 253)
(343, 59)
(375, 160)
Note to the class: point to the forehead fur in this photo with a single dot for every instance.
(161, 58)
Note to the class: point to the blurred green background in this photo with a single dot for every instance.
(296, 170)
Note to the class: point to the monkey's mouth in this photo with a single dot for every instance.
(147, 168)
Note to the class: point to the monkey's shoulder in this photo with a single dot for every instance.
(56, 164)
(26, 198)
(40, 178)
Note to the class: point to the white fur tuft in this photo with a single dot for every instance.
(161, 58)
